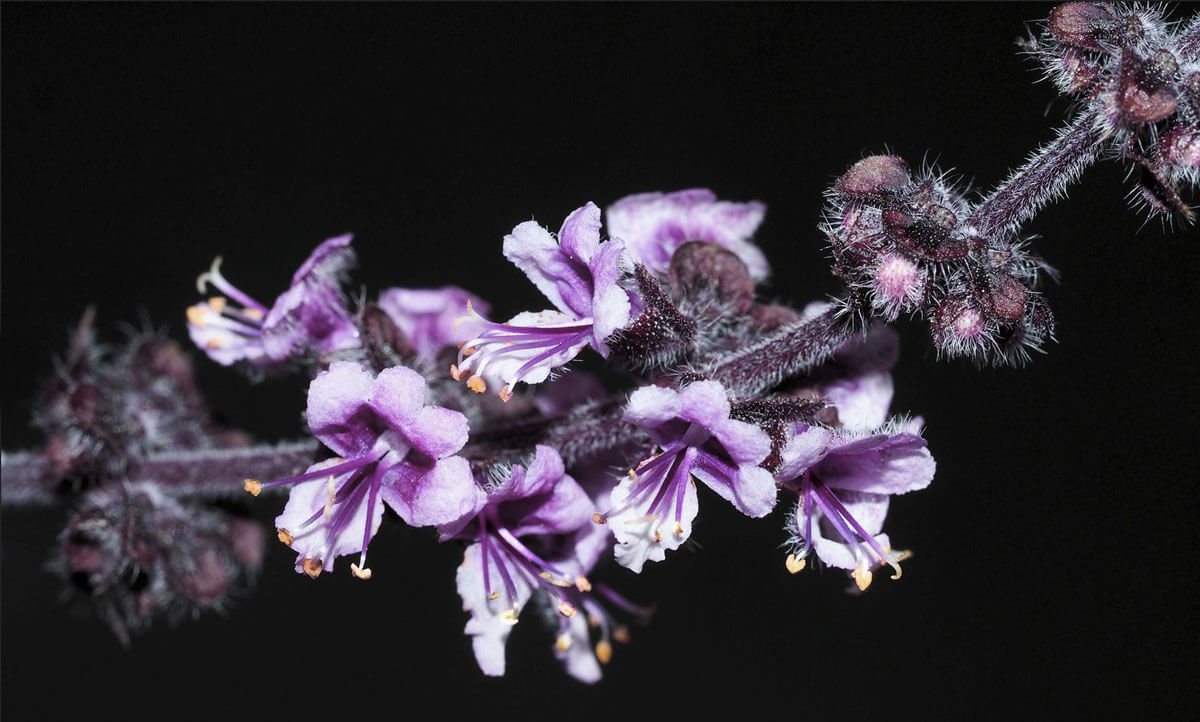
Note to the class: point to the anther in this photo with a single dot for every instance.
(795, 564)
(506, 393)
(254, 486)
(196, 316)
(599, 518)
(285, 536)
(312, 567)
(563, 643)
(622, 635)
(566, 609)
(603, 651)
(678, 529)
(362, 573)
(509, 616)
(217, 303)
(862, 575)
(493, 596)
(582, 584)
(477, 384)
(455, 373)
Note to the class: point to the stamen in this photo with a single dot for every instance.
(566, 609)
(509, 616)
(252, 313)
(360, 572)
(599, 518)
(477, 384)
(563, 643)
(455, 372)
(254, 486)
(603, 652)
(286, 537)
(213, 271)
(218, 303)
(582, 584)
(622, 635)
(795, 564)
(331, 494)
(493, 596)
(312, 567)
(506, 393)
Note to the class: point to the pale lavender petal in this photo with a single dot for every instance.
(330, 258)
(491, 620)
(643, 537)
(436, 431)
(444, 494)
(862, 401)
(651, 406)
(579, 236)
(869, 510)
(802, 451)
(704, 403)
(338, 412)
(578, 658)
(430, 318)
(610, 303)
(532, 249)
(398, 395)
(565, 509)
(313, 540)
(892, 464)
(745, 442)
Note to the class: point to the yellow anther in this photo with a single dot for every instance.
(599, 518)
(509, 616)
(622, 635)
(862, 575)
(795, 564)
(254, 486)
(312, 567)
(657, 536)
(477, 384)
(252, 313)
(566, 609)
(593, 620)
(603, 652)
(286, 537)
(213, 344)
(197, 316)
(563, 643)
(493, 596)
(217, 304)
(678, 529)
(582, 584)
(506, 393)
(360, 572)
(632, 475)
(455, 373)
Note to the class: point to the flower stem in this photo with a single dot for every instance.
(789, 351)
(1044, 177)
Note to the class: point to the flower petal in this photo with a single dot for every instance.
(651, 406)
(488, 626)
(579, 236)
(641, 537)
(436, 431)
(445, 494)
(894, 464)
(398, 395)
(338, 411)
(532, 249)
(338, 528)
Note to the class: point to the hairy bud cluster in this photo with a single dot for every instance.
(103, 410)
(1141, 78)
(904, 245)
(135, 554)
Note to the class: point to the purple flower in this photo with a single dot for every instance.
(427, 317)
(696, 438)
(500, 570)
(579, 275)
(309, 316)
(844, 480)
(392, 446)
(653, 225)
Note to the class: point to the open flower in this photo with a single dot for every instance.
(392, 447)
(844, 480)
(653, 225)
(579, 275)
(310, 316)
(695, 437)
(502, 568)
(428, 316)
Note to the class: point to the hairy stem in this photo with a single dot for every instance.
(581, 434)
(1043, 178)
(27, 479)
(789, 351)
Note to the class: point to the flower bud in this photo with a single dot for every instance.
(1081, 24)
(705, 269)
(873, 176)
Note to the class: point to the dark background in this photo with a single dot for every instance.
(1055, 552)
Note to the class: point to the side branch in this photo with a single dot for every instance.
(582, 434)
(1043, 178)
(789, 351)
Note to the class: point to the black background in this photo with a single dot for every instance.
(1055, 552)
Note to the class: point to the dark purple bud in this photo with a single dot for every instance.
(700, 269)
(928, 238)
(386, 344)
(1007, 297)
(660, 333)
(1181, 147)
(1080, 71)
(1142, 106)
(873, 176)
(85, 401)
(1081, 24)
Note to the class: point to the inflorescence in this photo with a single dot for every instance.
(422, 404)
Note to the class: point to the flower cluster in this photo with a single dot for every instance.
(1140, 77)
(705, 384)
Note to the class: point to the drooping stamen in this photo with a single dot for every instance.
(360, 570)
(213, 276)
(255, 487)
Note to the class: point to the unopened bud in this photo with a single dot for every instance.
(1080, 24)
(699, 268)
(874, 175)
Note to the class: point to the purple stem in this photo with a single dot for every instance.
(1043, 178)
(789, 351)
(28, 479)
